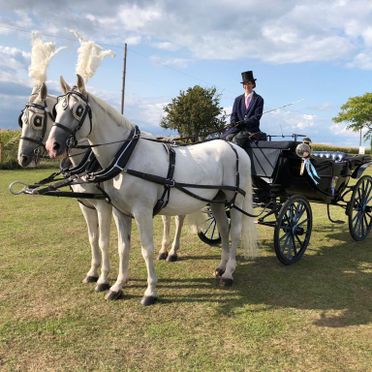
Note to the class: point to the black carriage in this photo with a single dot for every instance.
(283, 186)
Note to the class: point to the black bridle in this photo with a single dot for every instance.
(39, 121)
(80, 115)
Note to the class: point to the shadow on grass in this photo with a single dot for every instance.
(333, 278)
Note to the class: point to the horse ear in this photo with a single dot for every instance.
(35, 90)
(80, 84)
(64, 86)
(43, 92)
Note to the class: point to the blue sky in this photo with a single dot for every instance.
(313, 55)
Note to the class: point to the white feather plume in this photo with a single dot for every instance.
(41, 54)
(90, 56)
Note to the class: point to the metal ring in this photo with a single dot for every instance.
(13, 184)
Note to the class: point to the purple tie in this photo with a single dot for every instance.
(247, 101)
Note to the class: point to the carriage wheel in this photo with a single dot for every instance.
(360, 209)
(209, 233)
(292, 230)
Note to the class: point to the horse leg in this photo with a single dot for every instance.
(219, 214)
(123, 225)
(176, 241)
(145, 226)
(91, 220)
(104, 212)
(235, 231)
(165, 243)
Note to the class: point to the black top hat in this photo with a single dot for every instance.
(248, 76)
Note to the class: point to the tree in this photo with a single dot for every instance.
(357, 113)
(194, 113)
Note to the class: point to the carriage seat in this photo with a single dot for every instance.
(336, 156)
(265, 155)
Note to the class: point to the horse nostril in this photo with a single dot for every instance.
(56, 146)
(24, 160)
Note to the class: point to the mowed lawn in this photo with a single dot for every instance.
(312, 316)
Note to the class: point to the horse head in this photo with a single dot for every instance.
(35, 121)
(71, 111)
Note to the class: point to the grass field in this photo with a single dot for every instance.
(311, 316)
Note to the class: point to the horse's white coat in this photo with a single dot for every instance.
(211, 163)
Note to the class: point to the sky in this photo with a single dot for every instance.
(309, 57)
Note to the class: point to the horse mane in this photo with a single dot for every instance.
(90, 56)
(115, 115)
(41, 54)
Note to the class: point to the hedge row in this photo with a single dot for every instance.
(350, 150)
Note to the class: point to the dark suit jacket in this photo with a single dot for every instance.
(250, 116)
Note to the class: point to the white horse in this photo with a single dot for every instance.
(36, 122)
(82, 115)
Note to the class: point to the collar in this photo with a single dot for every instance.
(249, 95)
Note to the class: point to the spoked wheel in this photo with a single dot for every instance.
(209, 233)
(292, 230)
(360, 209)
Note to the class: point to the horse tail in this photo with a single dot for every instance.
(248, 236)
(195, 221)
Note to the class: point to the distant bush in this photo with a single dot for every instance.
(350, 150)
(9, 140)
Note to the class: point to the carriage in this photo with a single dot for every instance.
(284, 194)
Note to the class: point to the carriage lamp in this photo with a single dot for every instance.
(303, 150)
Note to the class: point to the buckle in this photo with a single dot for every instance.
(171, 183)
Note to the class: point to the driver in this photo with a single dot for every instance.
(246, 113)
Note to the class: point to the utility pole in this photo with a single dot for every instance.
(124, 73)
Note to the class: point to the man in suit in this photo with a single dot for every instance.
(246, 113)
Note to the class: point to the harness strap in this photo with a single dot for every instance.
(164, 199)
(120, 160)
(38, 142)
(182, 186)
(89, 163)
(69, 194)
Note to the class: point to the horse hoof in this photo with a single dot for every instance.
(112, 296)
(102, 287)
(148, 300)
(218, 272)
(90, 279)
(163, 256)
(226, 282)
(172, 258)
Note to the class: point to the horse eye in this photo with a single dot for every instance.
(38, 121)
(79, 110)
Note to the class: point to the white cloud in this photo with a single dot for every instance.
(173, 62)
(166, 45)
(362, 61)
(288, 122)
(13, 65)
(292, 32)
(135, 18)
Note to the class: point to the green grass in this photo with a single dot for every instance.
(314, 315)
